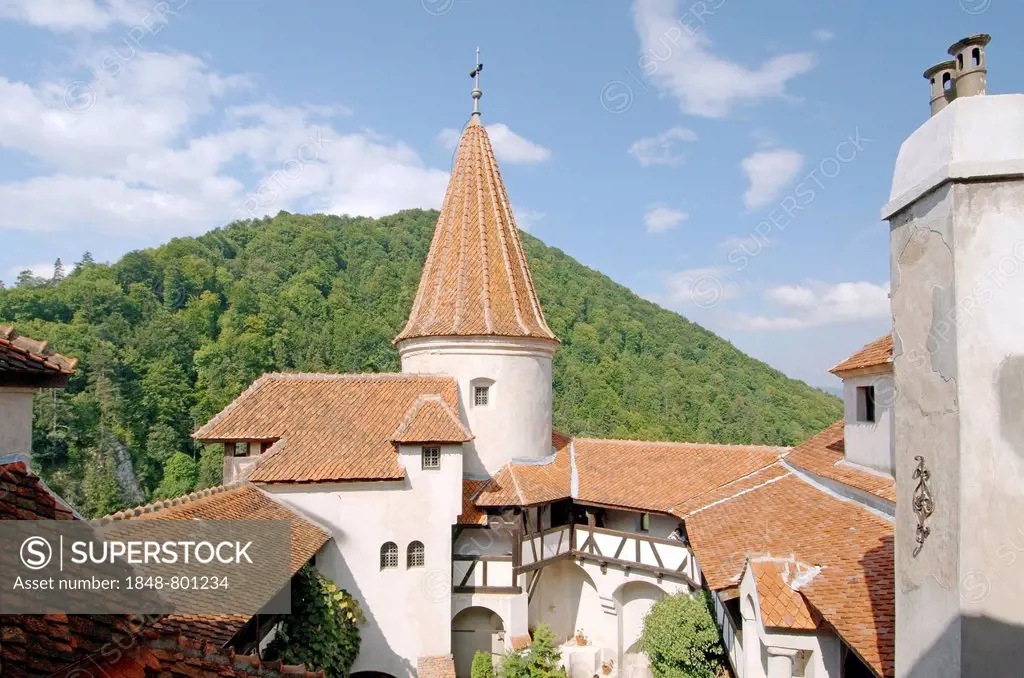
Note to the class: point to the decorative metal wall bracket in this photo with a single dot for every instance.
(923, 503)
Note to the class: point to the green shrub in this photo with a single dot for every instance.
(483, 666)
(322, 631)
(540, 660)
(681, 639)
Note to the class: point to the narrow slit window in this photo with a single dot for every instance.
(481, 395)
(432, 458)
(645, 522)
(389, 555)
(415, 555)
(866, 404)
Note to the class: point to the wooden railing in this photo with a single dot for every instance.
(484, 574)
(664, 557)
(733, 645)
(538, 549)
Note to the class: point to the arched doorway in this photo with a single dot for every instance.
(475, 629)
(566, 599)
(370, 674)
(634, 600)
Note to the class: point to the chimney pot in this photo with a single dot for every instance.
(971, 67)
(943, 87)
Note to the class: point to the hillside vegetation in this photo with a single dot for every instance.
(169, 336)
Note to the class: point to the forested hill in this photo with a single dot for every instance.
(169, 336)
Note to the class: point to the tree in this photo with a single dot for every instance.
(483, 666)
(322, 630)
(180, 475)
(681, 639)
(27, 280)
(87, 260)
(540, 660)
(58, 271)
(211, 467)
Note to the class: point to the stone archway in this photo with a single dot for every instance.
(475, 629)
(633, 600)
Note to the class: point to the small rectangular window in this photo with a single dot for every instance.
(866, 404)
(241, 449)
(480, 395)
(431, 457)
(645, 522)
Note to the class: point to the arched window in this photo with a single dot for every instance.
(415, 555)
(388, 555)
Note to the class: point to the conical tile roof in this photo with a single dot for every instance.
(476, 280)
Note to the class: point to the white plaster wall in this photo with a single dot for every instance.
(629, 521)
(484, 541)
(516, 423)
(565, 599)
(408, 611)
(635, 600)
(16, 420)
(870, 444)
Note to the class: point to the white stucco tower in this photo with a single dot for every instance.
(476, 316)
(956, 214)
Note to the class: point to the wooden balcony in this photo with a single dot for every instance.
(484, 574)
(628, 550)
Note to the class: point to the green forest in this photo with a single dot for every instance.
(166, 337)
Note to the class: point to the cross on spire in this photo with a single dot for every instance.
(477, 92)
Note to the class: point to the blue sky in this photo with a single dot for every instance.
(726, 158)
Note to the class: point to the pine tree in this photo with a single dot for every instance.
(58, 271)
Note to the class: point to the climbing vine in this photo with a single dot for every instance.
(322, 630)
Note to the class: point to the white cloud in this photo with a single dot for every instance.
(659, 219)
(86, 15)
(823, 34)
(702, 287)
(818, 304)
(508, 146)
(120, 155)
(680, 61)
(526, 219)
(769, 173)
(661, 149)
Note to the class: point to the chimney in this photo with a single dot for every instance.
(969, 55)
(942, 77)
(956, 252)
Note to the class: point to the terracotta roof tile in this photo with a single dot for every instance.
(218, 629)
(430, 420)
(23, 496)
(527, 484)
(657, 476)
(471, 515)
(791, 519)
(476, 280)
(824, 454)
(727, 491)
(21, 358)
(781, 605)
(330, 427)
(239, 501)
(162, 654)
(440, 666)
(878, 352)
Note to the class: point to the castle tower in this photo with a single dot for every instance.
(476, 315)
(956, 215)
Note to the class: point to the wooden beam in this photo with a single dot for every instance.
(488, 589)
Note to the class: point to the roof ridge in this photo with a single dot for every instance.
(37, 349)
(417, 405)
(779, 448)
(153, 507)
(748, 490)
(204, 649)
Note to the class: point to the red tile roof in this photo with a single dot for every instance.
(23, 496)
(791, 519)
(23, 358)
(329, 427)
(657, 476)
(824, 454)
(725, 492)
(781, 605)
(878, 352)
(471, 515)
(476, 280)
(218, 629)
(239, 501)
(430, 420)
(440, 666)
(527, 484)
(162, 655)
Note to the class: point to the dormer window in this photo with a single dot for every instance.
(241, 449)
(866, 404)
(431, 458)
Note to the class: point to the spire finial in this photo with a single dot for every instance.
(477, 92)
